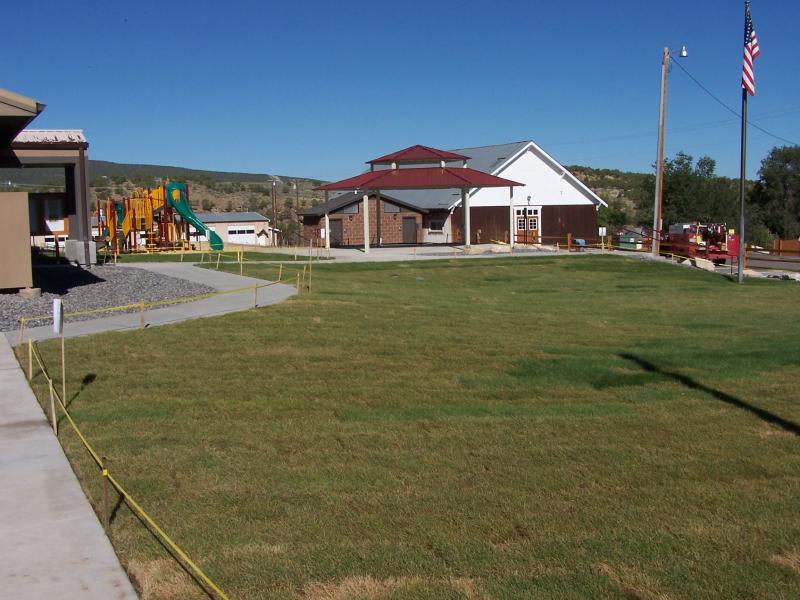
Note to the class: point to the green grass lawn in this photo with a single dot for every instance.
(573, 427)
(194, 257)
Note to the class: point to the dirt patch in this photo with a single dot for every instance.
(162, 579)
(369, 588)
(790, 560)
(766, 431)
(634, 585)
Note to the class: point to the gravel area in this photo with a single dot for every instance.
(102, 287)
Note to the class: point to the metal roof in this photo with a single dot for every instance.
(417, 154)
(483, 158)
(348, 198)
(50, 136)
(488, 159)
(420, 178)
(230, 217)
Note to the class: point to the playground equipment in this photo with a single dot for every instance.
(152, 219)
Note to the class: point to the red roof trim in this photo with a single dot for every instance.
(417, 154)
(423, 178)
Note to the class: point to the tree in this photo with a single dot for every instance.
(206, 204)
(229, 206)
(615, 215)
(774, 201)
(692, 192)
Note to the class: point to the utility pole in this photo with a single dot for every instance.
(662, 117)
(297, 210)
(658, 203)
(274, 210)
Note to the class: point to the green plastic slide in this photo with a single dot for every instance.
(181, 206)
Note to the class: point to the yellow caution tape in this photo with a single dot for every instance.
(128, 498)
(153, 304)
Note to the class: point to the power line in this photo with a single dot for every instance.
(728, 108)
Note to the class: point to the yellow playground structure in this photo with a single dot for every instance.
(152, 220)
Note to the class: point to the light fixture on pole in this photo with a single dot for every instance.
(658, 202)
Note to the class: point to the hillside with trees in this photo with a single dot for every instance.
(209, 190)
(692, 191)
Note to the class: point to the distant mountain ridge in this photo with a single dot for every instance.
(104, 168)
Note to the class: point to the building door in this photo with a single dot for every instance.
(527, 227)
(242, 234)
(409, 230)
(336, 232)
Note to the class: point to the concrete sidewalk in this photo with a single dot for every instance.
(404, 253)
(174, 313)
(52, 543)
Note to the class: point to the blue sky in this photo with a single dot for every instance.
(315, 89)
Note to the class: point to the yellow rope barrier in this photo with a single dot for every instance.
(24, 320)
(128, 498)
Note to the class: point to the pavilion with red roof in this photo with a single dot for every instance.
(430, 170)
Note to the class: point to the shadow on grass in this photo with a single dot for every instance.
(87, 380)
(690, 383)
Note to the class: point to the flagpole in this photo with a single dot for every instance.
(743, 154)
(742, 166)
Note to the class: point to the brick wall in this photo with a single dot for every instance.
(353, 225)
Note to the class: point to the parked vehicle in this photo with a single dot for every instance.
(712, 241)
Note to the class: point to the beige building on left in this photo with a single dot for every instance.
(25, 214)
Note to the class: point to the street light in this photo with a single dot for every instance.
(658, 202)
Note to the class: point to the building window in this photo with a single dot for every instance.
(521, 224)
(533, 223)
(241, 230)
(520, 212)
(349, 209)
(436, 225)
(390, 208)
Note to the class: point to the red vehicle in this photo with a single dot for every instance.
(714, 242)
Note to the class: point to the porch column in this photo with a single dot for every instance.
(82, 208)
(512, 224)
(378, 217)
(77, 192)
(366, 222)
(327, 232)
(465, 208)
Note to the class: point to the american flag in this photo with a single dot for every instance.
(751, 51)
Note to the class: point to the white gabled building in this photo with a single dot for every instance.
(550, 204)
(243, 228)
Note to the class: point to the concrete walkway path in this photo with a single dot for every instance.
(208, 307)
(52, 543)
(403, 253)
